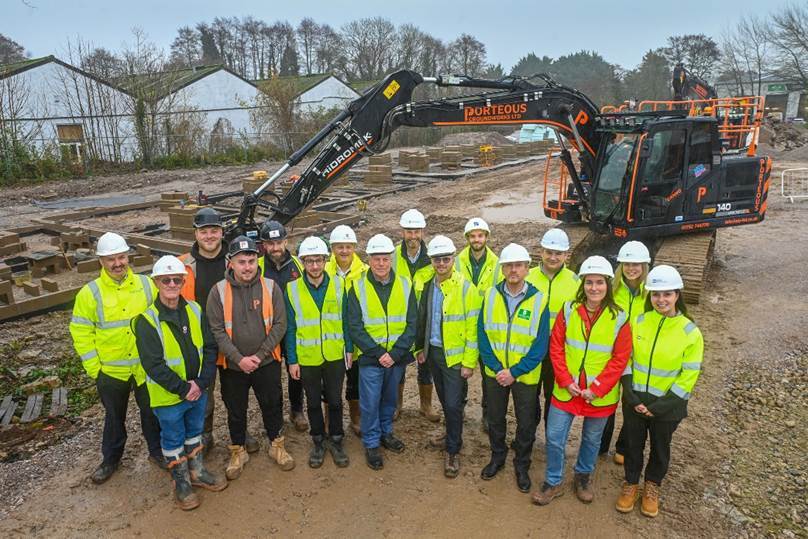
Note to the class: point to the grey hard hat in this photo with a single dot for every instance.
(272, 230)
(207, 217)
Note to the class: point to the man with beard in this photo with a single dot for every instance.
(279, 265)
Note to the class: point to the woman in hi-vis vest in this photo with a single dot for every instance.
(589, 347)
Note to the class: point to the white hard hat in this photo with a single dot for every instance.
(111, 243)
(664, 278)
(596, 265)
(634, 251)
(312, 246)
(514, 252)
(412, 219)
(556, 239)
(380, 245)
(440, 245)
(342, 234)
(475, 223)
(168, 265)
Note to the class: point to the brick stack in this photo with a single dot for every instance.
(434, 154)
(418, 162)
(181, 222)
(174, 198)
(451, 160)
(10, 243)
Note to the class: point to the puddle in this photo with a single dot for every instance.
(81, 203)
(509, 207)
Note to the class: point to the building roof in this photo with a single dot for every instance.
(362, 85)
(156, 86)
(302, 83)
(6, 70)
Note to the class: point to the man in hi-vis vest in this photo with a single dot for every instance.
(248, 318)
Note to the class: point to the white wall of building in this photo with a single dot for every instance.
(330, 93)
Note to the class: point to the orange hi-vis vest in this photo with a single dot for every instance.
(189, 288)
(226, 294)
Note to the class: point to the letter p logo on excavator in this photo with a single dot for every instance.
(582, 118)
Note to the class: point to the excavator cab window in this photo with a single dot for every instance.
(660, 176)
(700, 160)
(615, 172)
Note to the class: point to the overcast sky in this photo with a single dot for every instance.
(621, 31)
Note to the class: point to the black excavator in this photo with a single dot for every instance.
(686, 85)
(639, 174)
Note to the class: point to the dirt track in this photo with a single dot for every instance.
(758, 277)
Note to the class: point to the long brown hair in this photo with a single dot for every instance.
(619, 278)
(680, 305)
(608, 300)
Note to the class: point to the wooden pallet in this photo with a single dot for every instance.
(7, 408)
(692, 255)
(33, 407)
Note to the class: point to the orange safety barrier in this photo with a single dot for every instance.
(556, 178)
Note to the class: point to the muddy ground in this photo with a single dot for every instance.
(738, 466)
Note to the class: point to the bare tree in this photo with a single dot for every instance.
(329, 52)
(410, 41)
(789, 37)
(466, 56)
(102, 63)
(11, 51)
(186, 49)
(367, 47)
(698, 52)
(746, 52)
(307, 32)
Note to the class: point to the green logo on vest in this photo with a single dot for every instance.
(524, 314)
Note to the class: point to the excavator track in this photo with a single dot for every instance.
(692, 255)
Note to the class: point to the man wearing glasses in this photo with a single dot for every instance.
(447, 339)
(316, 349)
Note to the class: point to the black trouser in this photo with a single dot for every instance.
(606, 439)
(352, 381)
(450, 387)
(636, 430)
(326, 378)
(266, 385)
(546, 383)
(524, 406)
(295, 390)
(114, 395)
(207, 428)
(484, 401)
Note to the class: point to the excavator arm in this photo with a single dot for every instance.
(366, 124)
(686, 86)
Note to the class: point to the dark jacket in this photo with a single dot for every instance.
(152, 356)
(249, 333)
(283, 274)
(537, 350)
(371, 352)
(209, 271)
(669, 407)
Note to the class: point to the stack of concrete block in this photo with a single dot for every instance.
(379, 175)
(174, 198)
(10, 243)
(506, 152)
(181, 222)
(418, 162)
(469, 150)
(451, 159)
(381, 159)
(404, 158)
(6, 292)
(435, 154)
(74, 239)
(523, 150)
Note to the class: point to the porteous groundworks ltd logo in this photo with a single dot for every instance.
(495, 113)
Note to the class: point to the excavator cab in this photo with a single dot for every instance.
(665, 174)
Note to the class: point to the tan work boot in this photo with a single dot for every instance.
(451, 465)
(278, 453)
(582, 482)
(618, 459)
(438, 441)
(547, 493)
(425, 392)
(650, 499)
(299, 421)
(399, 402)
(356, 415)
(238, 458)
(629, 495)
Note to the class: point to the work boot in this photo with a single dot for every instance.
(374, 458)
(103, 472)
(207, 442)
(392, 443)
(251, 444)
(451, 465)
(278, 453)
(200, 477)
(238, 458)
(337, 451)
(299, 421)
(629, 495)
(650, 499)
(183, 491)
(491, 469)
(425, 393)
(582, 485)
(547, 493)
(618, 459)
(317, 454)
(399, 402)
(353, 410)
(159, 461)
(438, 441)
(523, 482)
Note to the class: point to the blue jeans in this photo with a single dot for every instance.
(378, 393)
(558, 431)
(180, 422)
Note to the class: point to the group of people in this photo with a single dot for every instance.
(242, 310)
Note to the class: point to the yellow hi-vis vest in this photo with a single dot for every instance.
(354, 272)
(560, 289)
(666, 355)
(318, 335)
(400, 267)
(172, 353)
(461, 308)
(490, 273)
(633, 305)
(589, 354)
(262, 262)
(384, 327)
(100, 325)
(511, 338)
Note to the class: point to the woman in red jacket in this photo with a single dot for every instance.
(589, 347)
